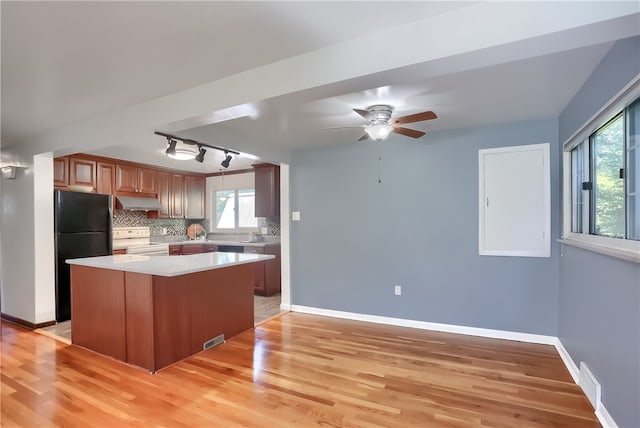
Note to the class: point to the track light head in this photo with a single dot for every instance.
(171, 150)
(200, 155)
(225, 162)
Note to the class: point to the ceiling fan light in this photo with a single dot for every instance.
(378, 131)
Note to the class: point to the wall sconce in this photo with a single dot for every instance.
(8, 172)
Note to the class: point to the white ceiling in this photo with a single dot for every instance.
(113, 67)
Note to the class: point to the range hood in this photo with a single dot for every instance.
(132, 203)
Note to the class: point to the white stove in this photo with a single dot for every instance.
(136, 240)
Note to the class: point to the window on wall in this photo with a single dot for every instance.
(235, 209)
(604, 181)
(633, 164)
(580, 174)
(607, 152)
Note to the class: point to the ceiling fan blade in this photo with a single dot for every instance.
(343, 127)
(363, 137)
(363, 113)
(408, 132)
(418, 117)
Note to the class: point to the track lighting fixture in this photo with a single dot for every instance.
(180, 151)
(171, 150)
(225, 162)
(200, 156)
(185, 149)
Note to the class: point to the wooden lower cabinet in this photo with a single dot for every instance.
(97, 309)
(192, 249)
(119, 251)
(153, 321)
(175, 250)
(266, 275)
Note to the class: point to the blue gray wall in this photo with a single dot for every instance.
(419, 229)
(599, 306)
(600, 325)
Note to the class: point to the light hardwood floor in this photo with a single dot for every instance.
(297, 370)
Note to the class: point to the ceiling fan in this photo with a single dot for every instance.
(381, 124)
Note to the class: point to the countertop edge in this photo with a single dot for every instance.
(219, 242)
(127, 263)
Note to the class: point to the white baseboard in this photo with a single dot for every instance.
(285, 307)
(604, 417)
(601, 412)
(568, 361)
(424, 325)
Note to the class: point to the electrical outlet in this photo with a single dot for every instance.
(295, 216)
(164, 230)
(264, 231)
(398, 290)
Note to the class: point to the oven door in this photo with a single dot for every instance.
(149, 250)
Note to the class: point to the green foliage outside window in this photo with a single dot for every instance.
(608, 150)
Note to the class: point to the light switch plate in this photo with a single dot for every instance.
(295, 216)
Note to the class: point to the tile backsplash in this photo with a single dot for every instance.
(174, 226)
(273, 226)
(177, 226)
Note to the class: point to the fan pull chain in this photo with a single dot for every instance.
(379, 161)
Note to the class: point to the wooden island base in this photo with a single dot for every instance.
(153, 321)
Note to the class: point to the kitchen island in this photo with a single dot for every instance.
(152, 311)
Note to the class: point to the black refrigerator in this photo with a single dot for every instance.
(82, 229)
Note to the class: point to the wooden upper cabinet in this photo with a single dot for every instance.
(61, 172)
(177, 196)
(146, 180)
(106, 178)
(82, 172)
(181, 196)
(130, 178)
(267, 184)
(126, 178)
(170, 191)
(194, 189)
(163, 183)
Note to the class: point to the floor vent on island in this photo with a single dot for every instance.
(213, 342)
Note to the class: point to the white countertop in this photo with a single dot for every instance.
(169, 265)
(223, 242)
